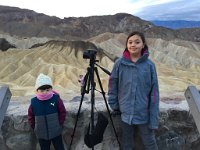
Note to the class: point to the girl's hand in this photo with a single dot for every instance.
(114, 113)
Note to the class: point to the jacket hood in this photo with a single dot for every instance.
(145, 55)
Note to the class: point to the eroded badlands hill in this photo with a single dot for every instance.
(63, 61)
(178, 63)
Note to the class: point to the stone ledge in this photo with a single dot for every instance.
(17, 134)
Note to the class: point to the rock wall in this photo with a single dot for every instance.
(177, 128)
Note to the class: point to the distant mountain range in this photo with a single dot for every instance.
(27, 23)
(177, 24)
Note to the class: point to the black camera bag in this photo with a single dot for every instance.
(97, 136)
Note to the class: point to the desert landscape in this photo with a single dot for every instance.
(32, 43)
(177, 62)
(57, 50)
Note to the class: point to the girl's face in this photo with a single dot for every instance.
(135, 45)
(44, 91)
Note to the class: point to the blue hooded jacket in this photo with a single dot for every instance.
(133, 89)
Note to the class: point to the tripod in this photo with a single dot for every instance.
(89, 82)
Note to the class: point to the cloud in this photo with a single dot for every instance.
(145, 9)
(177, 10)
(78, 8)
(75, 8)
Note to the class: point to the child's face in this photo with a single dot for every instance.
(39, 91)
(135, 45)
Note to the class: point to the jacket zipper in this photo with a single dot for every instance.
(45, 117)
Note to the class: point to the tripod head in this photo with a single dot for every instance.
(91, 54)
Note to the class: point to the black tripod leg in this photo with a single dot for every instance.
(79, 109)
(104, 97)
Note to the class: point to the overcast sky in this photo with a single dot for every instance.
(145, 9)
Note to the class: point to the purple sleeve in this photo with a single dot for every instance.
(62, 111)
(31, 117)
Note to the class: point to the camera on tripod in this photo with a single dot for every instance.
(89, 54)
(94, 134)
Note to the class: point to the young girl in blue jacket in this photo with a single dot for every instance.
(133, 90)
(46, 114)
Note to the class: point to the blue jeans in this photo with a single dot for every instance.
(57, 143)
(147, 135)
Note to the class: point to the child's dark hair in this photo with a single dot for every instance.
(141, 35)
(45, 87)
